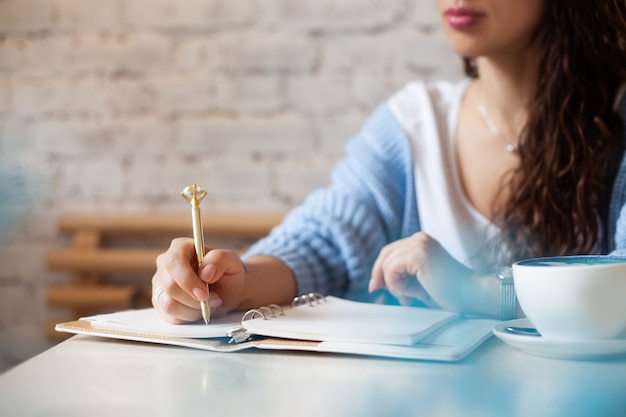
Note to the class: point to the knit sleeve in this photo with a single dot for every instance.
(331, 241)
(620, 235)
(617, 212)
(617, 208)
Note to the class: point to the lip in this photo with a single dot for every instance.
(463, 17)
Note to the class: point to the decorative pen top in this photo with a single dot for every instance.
(193, 194)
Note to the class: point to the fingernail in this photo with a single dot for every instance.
(200, 294)
(216, 301)
(207, 272)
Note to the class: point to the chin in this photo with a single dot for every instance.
(466, 46)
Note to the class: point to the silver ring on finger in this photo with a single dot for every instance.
(157, 293)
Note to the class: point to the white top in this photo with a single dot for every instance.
(429, 113)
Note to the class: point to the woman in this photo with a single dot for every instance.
(446, 183)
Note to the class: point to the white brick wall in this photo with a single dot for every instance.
(253, 99)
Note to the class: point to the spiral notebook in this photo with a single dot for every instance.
(311, 323)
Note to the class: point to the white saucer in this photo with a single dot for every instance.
(540, 346)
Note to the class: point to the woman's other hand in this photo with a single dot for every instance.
(419, 268)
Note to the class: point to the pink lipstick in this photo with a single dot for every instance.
(462, 17)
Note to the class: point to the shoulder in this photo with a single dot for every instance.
(419, 103)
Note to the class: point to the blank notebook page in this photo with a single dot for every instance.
(342, 320)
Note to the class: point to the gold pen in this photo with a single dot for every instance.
(194, 194)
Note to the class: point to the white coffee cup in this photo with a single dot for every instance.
(573, 297)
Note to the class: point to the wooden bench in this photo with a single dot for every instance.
(112, 256)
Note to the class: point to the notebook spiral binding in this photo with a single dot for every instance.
(311, 299)
(240, 334)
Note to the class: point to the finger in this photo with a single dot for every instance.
(395, 275)
(402, 282)
(405, 301)
(174, 311)
(177, 265)
(220, 262)
(377, 280)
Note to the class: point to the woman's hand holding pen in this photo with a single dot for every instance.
(177, 288)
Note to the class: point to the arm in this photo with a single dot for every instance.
(327, 245)
(331, 241)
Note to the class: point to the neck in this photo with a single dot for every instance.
(507, 85)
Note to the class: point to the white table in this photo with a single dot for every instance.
(89, 377)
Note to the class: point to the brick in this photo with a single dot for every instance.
(335, 16)
(190, 14)
(100, 54)
(145, 135)
(160, 177)
(19, 138)
(196, 54)
(57, 138)
(104, 173)
(335, 132)
(143, 53)
(4, 100)
(39, 96)
(10, 310)
(14, 55)
(105, 53)
(24, 262)
(365, 52)
(322, 95)
(281, 135)
(39, 56)
(266, 52)
(42, 228)
(11, 216)
(25, 15)
(22, 184)
(36, 56)
(432, 51)
(26, 185)
(401, 76)
(296, 179)
(87, 138)
(117, 98)
(88, 15)
(239, 178)
(181, 95)
(163, 177)
(371, 89)
(86, 97)
(249, 94)
(425, 15)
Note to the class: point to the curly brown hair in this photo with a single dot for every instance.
(571, 145)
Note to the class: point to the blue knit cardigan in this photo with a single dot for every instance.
(331, 241)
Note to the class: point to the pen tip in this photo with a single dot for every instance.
(206, 311)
